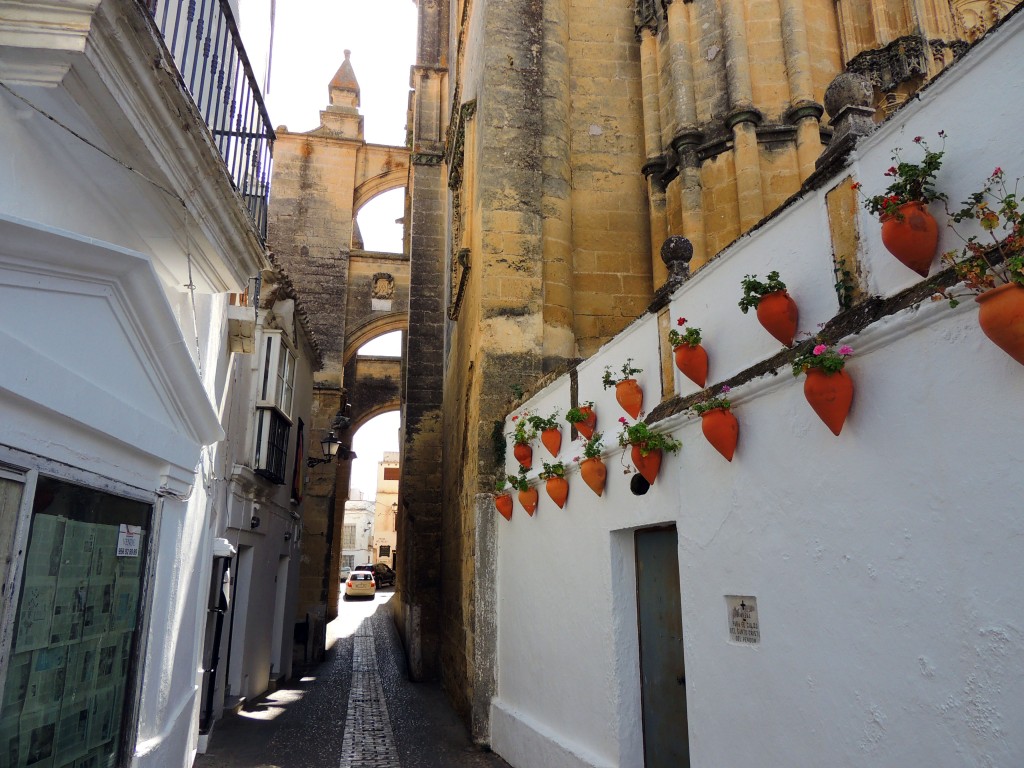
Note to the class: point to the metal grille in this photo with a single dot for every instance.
(203, 39)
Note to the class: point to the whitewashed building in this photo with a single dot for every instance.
(132, 208)
(357, 534)
(845, 600)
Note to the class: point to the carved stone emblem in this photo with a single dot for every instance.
(383, 286)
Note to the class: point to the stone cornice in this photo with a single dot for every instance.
(38, 39)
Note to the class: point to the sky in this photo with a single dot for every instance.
(310, 38)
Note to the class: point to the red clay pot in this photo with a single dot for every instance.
(594, 474)
(552, 439)
(529, 499)
(523, 454)
(778, 313)
(722, 430)
(692, 362)
(912, 236)
(630, 396)
(1001, 317)
(558, 490)
(587, 426)
(830, 395)
(648, 465)
(503, 503)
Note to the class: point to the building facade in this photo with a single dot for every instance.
(136, 487)
(555, 146)
(385, 535)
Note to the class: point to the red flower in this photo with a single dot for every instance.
(892, 171)
(918, 139)
(681, 321)
(855, 185)
(998, 171)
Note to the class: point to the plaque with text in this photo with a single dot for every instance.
(743, 623)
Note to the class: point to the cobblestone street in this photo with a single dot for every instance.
(355, 710)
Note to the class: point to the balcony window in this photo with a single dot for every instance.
(273, 407)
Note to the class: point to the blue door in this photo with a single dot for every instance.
(662, 670)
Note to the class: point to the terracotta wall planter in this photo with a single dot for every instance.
(778, 314)
(1001, 317)
(692, 362)
(830, 395)
(721, 430)
(589, 424)
(503, 503)
(523, 454)
(629, 395)
(529, 499)
(912, 237)
(552, 439)
(648, 465)
(594, 474)
(558, 490)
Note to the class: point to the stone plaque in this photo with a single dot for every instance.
(743, 624)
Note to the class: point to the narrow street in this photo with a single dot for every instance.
(355, 710)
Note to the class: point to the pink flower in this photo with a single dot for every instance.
(726, 388)
(681, 321)
(622, 419)
(846, 350)
(820, 349)
(576, 459)
(918, 139)
(998, 171)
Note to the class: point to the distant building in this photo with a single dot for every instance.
(357, 534)
(385, 539)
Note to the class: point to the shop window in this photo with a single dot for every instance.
(70, 676)
(274, 407)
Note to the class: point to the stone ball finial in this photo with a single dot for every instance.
(676, 252)
(848, 89)
(676, 248)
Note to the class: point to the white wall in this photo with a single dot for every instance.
(885, 561)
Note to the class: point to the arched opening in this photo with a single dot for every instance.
(373, 485)
(386, 345)
(380, 223)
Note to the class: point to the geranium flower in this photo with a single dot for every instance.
(622, 420)
(846, 350)
(820, 349)
(918, 139)
(681, 321)
(726, 388)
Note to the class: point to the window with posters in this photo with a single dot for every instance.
(70, 667)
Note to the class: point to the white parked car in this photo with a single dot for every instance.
(360, 584)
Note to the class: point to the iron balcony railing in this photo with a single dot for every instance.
(203, 38)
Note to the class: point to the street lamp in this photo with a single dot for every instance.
(331, 447)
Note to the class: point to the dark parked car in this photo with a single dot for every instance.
(382, 573)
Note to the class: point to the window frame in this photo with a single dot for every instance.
(28, 468)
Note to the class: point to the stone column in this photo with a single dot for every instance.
(559, 335)
(687, 136)
(803, 111)
(650, 86)
(743, 117)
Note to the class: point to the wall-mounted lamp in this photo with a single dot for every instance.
(254, 522)
(332, 448)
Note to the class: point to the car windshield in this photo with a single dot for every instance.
(361, 576)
